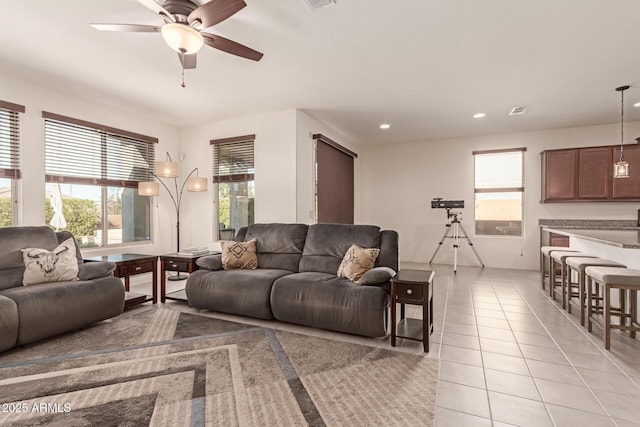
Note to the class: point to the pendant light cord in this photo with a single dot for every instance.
(622, 125)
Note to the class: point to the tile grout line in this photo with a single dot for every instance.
(484, 372)
(564, 354)
(535, 383)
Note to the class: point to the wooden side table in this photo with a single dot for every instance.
(412, 287)
(179, 263)
(128, 265)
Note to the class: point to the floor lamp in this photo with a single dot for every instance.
(170, 169)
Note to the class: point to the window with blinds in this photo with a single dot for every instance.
(10, 139)
(92, 173)
(233, 172)
(233, 159)
(9, 160)
(86, 153)
(499, 189)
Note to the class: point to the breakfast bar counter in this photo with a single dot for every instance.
(627, 238)
(618, 241)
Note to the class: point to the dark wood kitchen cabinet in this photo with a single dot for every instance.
(594, 173)
(559, 171)
(586, 175)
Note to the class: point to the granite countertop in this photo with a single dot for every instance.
(590, 224)
(622, 238)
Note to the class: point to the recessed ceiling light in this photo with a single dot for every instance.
(385, 126)
(479, 115)
(637, 104)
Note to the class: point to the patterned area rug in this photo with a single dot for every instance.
(166, 368)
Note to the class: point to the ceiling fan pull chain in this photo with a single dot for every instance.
(182, 65)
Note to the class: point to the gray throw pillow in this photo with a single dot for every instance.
(211, 262)
(377, 275)
(95, 270)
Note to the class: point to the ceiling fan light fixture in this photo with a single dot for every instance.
(182, 38)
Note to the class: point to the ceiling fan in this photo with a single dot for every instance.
(184, 21)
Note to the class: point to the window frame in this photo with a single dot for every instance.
(236, 175)
(13, 172)
(106, 135)
(495, 190)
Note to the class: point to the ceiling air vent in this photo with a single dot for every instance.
(316, 4)
(517, 111)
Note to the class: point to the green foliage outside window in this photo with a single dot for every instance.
(5, 212)
(82, 215)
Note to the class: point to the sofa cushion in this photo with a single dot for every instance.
(239, 255)
(356, 262)
(244, 292)
(43, 266)
(11, 277)
(8, 323)
(322, 300)
(279, 246)
(14, 239)
(326, 245)
(49, 309)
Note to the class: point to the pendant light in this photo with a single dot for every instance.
(621, 168)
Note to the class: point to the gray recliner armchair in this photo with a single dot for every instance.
(34, 312)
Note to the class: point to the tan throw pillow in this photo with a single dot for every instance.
(239, 255)
(357, 261)
(43, 266)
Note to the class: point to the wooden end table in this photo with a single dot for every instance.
(181, 264)
(412, 287)
(128, 265)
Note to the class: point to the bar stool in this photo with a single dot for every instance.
(544, 256)
(627, 282)
(560, 258)
(578, 264)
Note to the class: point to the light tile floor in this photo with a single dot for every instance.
(511, 356)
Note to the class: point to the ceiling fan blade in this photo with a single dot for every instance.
(215, 11)
(130, 28)
(155, 7)
(188, 61)
(231, 47)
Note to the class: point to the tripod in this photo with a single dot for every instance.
(453, 223)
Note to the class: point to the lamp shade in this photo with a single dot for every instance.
(151, 188)
(196, 183)
(167, 169)
(182, 38)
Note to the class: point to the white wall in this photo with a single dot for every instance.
(38, 98)
(306, 127)
(275, 171)
(399, 181)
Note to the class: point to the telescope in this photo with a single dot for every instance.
(454, 227)
(438, 203)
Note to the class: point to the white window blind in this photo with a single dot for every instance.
(233, 159)
(10, 139)
(80, 152)
(498, 171)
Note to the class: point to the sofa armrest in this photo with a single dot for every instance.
(210, 262)
(377, 275)
(95, 270)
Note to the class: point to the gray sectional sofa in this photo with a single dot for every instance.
(296, 279)
(34, 312)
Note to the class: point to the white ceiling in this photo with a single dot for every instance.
(424, 66)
